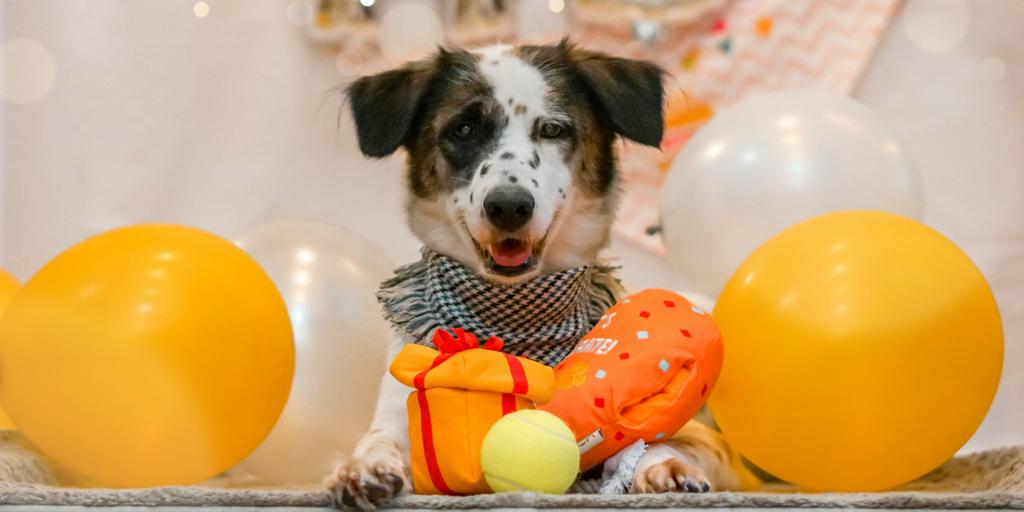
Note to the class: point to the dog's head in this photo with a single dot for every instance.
(511, 165)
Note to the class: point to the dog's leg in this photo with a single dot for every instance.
(696, 459)
(378, 472)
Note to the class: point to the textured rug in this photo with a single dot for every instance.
(986, 480)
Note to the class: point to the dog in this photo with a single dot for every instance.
(511, 170)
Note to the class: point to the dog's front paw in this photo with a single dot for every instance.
(670, 475)
(369, 482)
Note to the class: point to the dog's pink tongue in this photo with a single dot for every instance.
(510, 253)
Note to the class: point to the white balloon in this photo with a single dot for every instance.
(768, 162)
(329, 278)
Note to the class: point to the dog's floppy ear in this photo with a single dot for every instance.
(384, 106)
(628, 92)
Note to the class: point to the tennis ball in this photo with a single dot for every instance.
(530, 450)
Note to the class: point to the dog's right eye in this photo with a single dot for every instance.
(551, 130)
(462, 131)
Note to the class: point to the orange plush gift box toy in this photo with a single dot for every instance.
(641, 373)
(461, 390)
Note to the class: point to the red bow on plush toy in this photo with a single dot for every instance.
(459, 340)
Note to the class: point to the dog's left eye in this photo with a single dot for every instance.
(462, 131)
(551, 130)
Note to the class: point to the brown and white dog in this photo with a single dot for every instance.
(512, 172)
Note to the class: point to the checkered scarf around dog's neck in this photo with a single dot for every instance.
(541, 319)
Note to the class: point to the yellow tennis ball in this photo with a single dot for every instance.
(530, 450)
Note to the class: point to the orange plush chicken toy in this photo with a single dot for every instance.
(641, 373)
(460, 391)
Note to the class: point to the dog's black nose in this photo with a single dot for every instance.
(509, 207)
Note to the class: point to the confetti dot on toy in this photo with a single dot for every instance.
(670, 304)
(644, 314)
(641, 335)
(763, 26)
(624, 356)
(599, 402)
(663, 365)
(600, 374)
(619, 436)
(659, 435)
(685, 332)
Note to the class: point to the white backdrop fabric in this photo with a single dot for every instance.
(227, 121)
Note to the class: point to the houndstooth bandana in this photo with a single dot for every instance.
(541, 319)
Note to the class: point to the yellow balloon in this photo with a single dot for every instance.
(8, 285)
(147, 355)
(862, 350)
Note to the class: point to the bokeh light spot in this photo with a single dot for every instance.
(936, 25)
(28, 70)
(201, 9)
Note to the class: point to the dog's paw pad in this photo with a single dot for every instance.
(366, 484)
(671, 475)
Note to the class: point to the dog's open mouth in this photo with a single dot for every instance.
(511, 256)
(510, 253)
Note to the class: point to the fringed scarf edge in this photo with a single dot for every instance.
(403, 298)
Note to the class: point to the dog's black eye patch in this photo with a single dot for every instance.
(468, 137)
(468, 125)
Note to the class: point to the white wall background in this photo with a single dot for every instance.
(961, 115)
(220, 122)
(3, 141)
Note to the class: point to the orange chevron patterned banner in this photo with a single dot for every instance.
(732, 49)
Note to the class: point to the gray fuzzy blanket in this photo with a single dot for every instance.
(986, 480)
